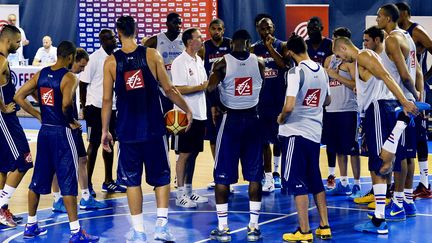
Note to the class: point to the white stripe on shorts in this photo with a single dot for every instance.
(219, 138)
(288, 159)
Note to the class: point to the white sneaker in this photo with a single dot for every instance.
(211, 185)
(269, 185)
(185, 202)
(197, 198)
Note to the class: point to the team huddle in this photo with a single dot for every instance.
(299, 93)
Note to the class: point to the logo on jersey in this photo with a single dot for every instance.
(134, 79)
(412, 59)
(334, 83)
(28, 158)
(243, 86)
(191, 73)
(168, 67)
(47, 96)
(270, 73)
(312, 97)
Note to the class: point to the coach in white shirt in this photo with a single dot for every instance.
(190, 78)
(47, 54)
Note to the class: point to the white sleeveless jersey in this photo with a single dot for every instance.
(343, 98)
(410, 62)
(370, 90)
(169, 49)
(242, 84)
(311, 83)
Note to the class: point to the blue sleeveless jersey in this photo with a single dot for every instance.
(421, 57)
(139, 111)
(324, 50)
(272, 96)
(50, 96)
(214, 53)
(8, 92)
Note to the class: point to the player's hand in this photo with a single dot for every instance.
(281, 119)
(9, 108)
(269, 41)
(410, 108)
(204, 85)
(215, 114)
(107, 141)
(332, 73)
(189, 117)
(75, 125)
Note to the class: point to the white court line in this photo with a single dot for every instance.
(367, 210)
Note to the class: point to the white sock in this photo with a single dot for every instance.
(332, 170)
(57, 196)
(408, 195)
(380, 196)
(424, 172)
(176, 157)
(222, 214)
(162, 216)
(6, 194)
(276, 163)
(74, 227)
(32, 219)
(357, 182)
(392, 141)
(398, 198)
(138, 222)
(254, 209)
(85, 194)
(180, 191)
(344, 180)
(188, 189)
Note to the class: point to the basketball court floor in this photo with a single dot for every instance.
(278, 213)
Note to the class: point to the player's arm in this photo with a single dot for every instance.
(293, 86)
(5, 108)
(392, 47)
(151, 42)
(277, 57)
(217, 74)
(29, 88)
(68, 87)
(419, 82)
(109, 71)
(421, 36)
(179, 74)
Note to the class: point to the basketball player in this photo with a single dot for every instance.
(376, 92)
(399, 58)
(239, 77)
(15, 157)
(136, 72)
(300, 127)
(87, 202)
(271, 98)
(423, 44)
(342, 120)
(170, 45)
(56, 151)
(190, 78)
(214, 48)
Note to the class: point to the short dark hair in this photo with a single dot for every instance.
(296, 44)
(172, 16)
(8, 30)
(342, 31)
(65, 49)
(262, 16)
(392, 11)
(241, 35)
(187, 35)
(403, 6)
(126, 25)
(217, 21)
(81, 54)
(103, 33)
(375, 32)
(315, 19)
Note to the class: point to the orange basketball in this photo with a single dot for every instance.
(176, 121)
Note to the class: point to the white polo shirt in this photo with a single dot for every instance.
(185, 71)
(93, 75)
(46, 57)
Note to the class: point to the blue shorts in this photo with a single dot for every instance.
(421, 128)
(153, 154)
(238, 138)
(269, 129)
(56, 154)
(300, 166)
(14, 149)
(343, 132)
(192, 140)
(79, 143)
(408, 148)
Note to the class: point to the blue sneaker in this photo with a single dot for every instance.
(394, 213)
(162, 233)
(410, 209)
(92, 192)
(253, 234)
(113, 187)
(33, 230)
(339, 190)
(369, 227)
(59, 206)
(83, 237)
(355, 191)
(277, 180)
(91, 204)
(136, 237)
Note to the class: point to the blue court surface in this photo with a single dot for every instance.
(278, 216)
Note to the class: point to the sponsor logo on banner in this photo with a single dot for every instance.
(312, 97)
(297, 16)
(134, 79)
(243, 86)
(47, 96)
